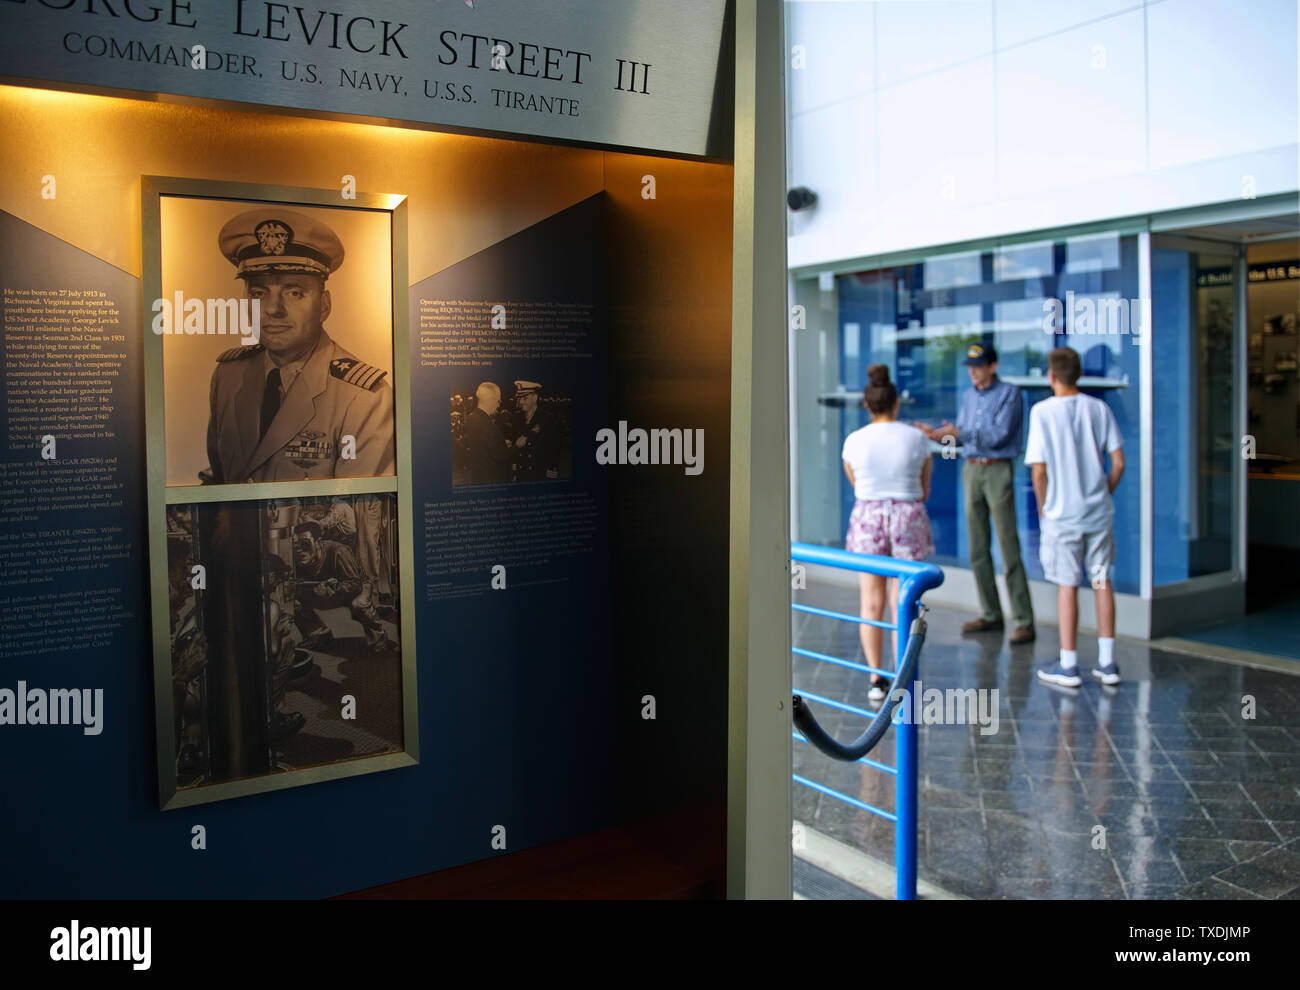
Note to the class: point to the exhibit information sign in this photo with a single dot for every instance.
(641, 76)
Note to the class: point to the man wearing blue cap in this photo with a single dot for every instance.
(296, 406)
(988, 428)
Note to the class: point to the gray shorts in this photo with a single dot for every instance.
(1070, 557)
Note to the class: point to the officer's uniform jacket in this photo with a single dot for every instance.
(489, 457)
(541, 452)
(335, 395)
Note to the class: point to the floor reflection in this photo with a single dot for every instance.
(1158, 788)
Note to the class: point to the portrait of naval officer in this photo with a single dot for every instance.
(295, 406)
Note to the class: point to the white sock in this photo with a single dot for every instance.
(1106, 652)
(1069, 659)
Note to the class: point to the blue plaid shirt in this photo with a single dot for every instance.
(990, 420)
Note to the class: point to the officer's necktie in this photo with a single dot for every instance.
(270, 400)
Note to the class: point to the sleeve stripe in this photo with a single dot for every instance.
(363, 376)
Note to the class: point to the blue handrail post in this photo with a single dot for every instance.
(905, 758)
(914, 580)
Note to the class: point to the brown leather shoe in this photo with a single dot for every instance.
(1022, 634)
(981, 625)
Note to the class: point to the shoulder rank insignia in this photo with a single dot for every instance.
(357, 373)
(239, 353)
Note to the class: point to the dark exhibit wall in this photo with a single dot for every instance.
(530, 696)
(74, 607)
(669, 263)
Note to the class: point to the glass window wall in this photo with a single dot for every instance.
(1195, 448)
(919, 318)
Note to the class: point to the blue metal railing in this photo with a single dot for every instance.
(914, 579)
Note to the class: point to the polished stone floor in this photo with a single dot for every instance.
(1161, 788)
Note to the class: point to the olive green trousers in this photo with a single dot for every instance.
(989, 491)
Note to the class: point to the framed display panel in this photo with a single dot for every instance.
(279, 474)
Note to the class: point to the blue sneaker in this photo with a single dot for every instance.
(1061, 677)
(1107, 675)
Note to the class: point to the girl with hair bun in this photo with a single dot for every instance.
(888, 465)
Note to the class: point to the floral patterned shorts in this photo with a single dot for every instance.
(890, 529)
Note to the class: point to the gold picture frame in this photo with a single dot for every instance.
(170, 501)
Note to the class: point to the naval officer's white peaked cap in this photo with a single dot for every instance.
(271, 240)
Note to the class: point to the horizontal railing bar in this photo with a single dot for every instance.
(929, 575)
(844, 797)
(813, 610)
(862, 759)
(835, 704)
(827, 658)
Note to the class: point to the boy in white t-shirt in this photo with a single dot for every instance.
(1069, 436)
